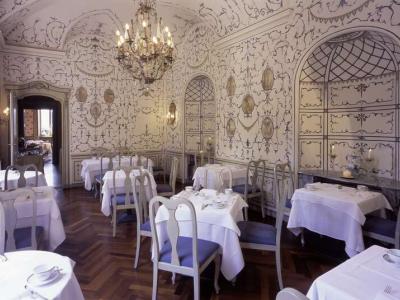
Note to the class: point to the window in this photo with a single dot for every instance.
(45, 122)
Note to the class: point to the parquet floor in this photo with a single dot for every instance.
(104, 265)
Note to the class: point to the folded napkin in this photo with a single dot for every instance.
(385, 296)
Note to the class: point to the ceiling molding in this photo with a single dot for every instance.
(254, 29)
(23, 50)
(13, 12)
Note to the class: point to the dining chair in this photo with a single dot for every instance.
(382, 229)
(251, 188)
(159, 170)
(36, 160)
(283, 172)
(22, 182)
(168, 190)
(99, 178)
(140, 184)
(2, 230)
(188, 256)
(24, 238)
(290, 294)
(221, 175)
(122, 200)
(261, 236)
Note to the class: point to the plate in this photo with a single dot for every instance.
(387, 258)
(34, 281)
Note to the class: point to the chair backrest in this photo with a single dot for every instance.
(173, 173)
(141, 199)
(103, 158)
(283, 183)
(397, 232)
(283, 190)
(2, 230)
(128, 188)
(8, 199)
(142, 161)
(22, 179)
(255, 171)
(172, 227)
(36, 160)
(290, 294)
(221, 177)
(98, 151)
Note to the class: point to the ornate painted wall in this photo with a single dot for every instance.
(256, 71)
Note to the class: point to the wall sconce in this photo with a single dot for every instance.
(171, 116)
(5, 115)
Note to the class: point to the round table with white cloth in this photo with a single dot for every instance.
(91, 167)
(13, 177)
(19, 266)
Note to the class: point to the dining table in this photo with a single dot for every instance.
(17, 279)
(47, 215)
(13, 177)
(336, 211)
(216, 224)
(217, 176)
(91, 167)
(107, 189)
(367, 275)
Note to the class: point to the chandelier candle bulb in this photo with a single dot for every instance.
(369, 154)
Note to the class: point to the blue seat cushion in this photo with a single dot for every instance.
(288, 203)
(121, 199)
(380, 226)
(146, 226)
(22, 236)
(98, 178)
(257, 233)
(184, 246)
(241, 187)
(164, 188)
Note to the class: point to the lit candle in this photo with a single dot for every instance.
(117, 33)
(127, 26)
(332, 150)
(369, 154)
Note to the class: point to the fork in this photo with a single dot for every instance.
(388, 290)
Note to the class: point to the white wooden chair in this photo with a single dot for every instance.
(99, 178)
(382, 229)
(168, 190)
(228, 171)
(160, 169)
(142, 209)
(2, 232)
(261, 236)
(290, 294)
(182, 255)
(24, 238)
(124, 200)
(251, 188)
(21, 180)
(283, 172)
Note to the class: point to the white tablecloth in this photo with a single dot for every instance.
(18, 267)
(213, 176)
(107, 189)
(91, 167)
(337, 213)
(48, 215)
(361, 277)
(13, 177)
(217, 225)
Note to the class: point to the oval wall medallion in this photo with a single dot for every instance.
(231, 86)
(109, 96)
(248, 105)
(95, 110)
(81, 94)
(267, 128)
(230, 128)
(267, 80)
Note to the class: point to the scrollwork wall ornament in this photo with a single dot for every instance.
(267, 131)
(230, 130)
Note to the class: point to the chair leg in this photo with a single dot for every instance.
(196, 286)
(114, 222)
(217, 262)
(246, 213)
(138, 242)
(173, 277)
(262, 205)
(279, 267)
(302, 240)
(155, 281)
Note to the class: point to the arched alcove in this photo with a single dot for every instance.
(347, 103)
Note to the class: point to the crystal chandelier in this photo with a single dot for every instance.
(145, 48)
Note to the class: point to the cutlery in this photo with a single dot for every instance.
(203, 206)
(388, 290)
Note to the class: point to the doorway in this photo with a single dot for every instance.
(39, 133)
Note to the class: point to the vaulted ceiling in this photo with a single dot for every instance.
(49, 23)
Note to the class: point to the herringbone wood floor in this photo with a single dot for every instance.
(104, 265)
